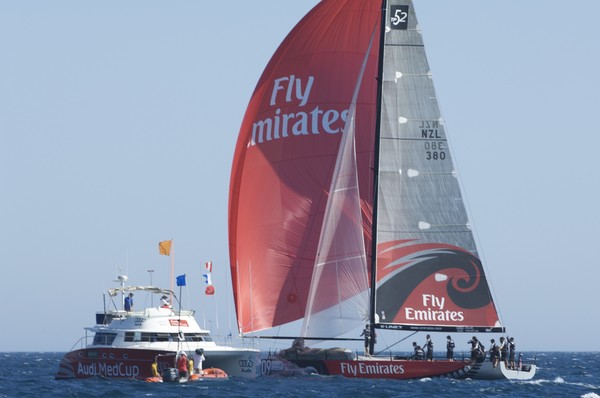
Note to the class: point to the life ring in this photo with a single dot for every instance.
(154, 379)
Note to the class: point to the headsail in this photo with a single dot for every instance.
(285, 157)
(429, 276)
(339, 291)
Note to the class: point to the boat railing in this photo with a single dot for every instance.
(228, 340)
(81, 343)
(151, 311)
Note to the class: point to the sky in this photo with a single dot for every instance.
(118, 122)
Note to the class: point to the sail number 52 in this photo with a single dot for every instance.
(399, 17)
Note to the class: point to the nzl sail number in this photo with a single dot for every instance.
(435, 150)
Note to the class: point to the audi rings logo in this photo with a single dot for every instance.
(246, 363)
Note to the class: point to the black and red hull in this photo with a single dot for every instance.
(371, 368)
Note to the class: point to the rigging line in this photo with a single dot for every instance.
(474, 230)
(467, 205)
(397, 342)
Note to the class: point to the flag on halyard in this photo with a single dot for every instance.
(181, 280)
(210, 289)
(164, 247)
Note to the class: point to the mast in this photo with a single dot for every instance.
(376, 177)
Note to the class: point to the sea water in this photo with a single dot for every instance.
(560, 374)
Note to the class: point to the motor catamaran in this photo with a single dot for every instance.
(345, 208)
(126, 344)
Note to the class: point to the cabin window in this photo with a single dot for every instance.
(164, 337)
(197, 337)
(103, 338)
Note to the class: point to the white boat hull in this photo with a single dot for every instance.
(124, 363)
(487, 371)
(125, 344)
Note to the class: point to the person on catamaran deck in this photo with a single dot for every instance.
(429, 345)
(129, 302)
(198, 359)
(450, 348)
(164, 302)
(418, 352)
(367, 333)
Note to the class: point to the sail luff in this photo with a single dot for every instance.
(373, 296)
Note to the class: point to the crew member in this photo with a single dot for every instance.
(449, 348)
(475, 349)
(129, 302)
(182, 365)
(511, 352)
(494, 353)
(367, 333)
(504, 351)
(418, 352)
(429, 346)
(198, 359)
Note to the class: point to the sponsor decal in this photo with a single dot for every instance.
(433, 310)
(375, 368)
(246, 365)
(177, 322)
(118, 369)
(433, 285)
(288, 91)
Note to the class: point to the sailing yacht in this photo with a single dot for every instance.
(344, 206)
